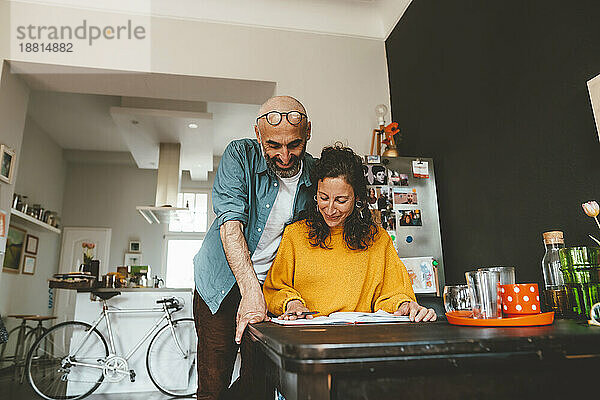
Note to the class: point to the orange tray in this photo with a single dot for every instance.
(463, 318)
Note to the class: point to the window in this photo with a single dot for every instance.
(198, 205)
(180, 262)
(184, 239)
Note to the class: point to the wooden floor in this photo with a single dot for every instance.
(11, 390)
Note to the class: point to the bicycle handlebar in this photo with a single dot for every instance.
(171, 302)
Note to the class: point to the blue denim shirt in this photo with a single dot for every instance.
(244, 190)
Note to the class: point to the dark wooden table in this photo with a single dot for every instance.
(425, 361)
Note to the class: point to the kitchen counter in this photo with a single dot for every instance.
(134, 289)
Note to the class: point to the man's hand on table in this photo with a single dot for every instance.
(252, 309)
(294, 310)
(416, 312)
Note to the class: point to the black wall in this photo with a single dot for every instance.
(496, 93)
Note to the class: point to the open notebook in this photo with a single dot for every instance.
(344, 318)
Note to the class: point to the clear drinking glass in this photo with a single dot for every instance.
(484, 290)
(507, 274)
(456, 298)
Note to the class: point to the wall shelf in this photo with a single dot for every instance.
(35, 221)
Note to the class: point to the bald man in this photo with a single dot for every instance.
(261, 185)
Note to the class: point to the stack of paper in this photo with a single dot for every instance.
(344, 318)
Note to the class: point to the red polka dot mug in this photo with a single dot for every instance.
(520, 299)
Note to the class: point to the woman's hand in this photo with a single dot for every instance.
(294, 310)
(416, 312)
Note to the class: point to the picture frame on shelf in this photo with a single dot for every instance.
(135, 246)
(7, 163)
(31, 244)
(29, 263)
(132, 259)
(15, 244)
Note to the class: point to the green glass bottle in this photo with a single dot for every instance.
(580, 267)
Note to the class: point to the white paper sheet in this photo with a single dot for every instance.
(345, 318)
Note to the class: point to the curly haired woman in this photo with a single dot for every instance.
(336, 258)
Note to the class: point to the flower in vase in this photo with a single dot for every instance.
(88, 252)
(592, 209)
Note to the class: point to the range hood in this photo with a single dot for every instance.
(165, 208)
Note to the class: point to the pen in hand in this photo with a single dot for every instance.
(302, 314)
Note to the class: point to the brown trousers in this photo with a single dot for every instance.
(217, 350)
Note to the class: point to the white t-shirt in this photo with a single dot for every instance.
(282, 212)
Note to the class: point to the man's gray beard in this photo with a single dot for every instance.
(284, 173)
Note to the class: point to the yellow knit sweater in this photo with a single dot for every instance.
(338, 279)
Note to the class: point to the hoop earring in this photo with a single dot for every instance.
(359, 204)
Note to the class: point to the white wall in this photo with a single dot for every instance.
(594, 91)
(41, 177)
(13, 105)
(105, 196)
(231, 121)
(339, 79)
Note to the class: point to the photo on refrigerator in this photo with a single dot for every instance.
(388, 220)
(395, 178)
(376, 174)
(379, 198)
(422, 274)
(404, 196)
(409, 218)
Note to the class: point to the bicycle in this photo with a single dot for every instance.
(77, 359)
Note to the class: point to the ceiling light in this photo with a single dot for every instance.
(192, 125)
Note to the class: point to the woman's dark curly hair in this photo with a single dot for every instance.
(359, 227)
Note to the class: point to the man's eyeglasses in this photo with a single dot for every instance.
(274, 117)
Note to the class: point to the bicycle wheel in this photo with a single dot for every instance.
(8, 350)
(172, 368)
(51, 365)
(31, 338)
